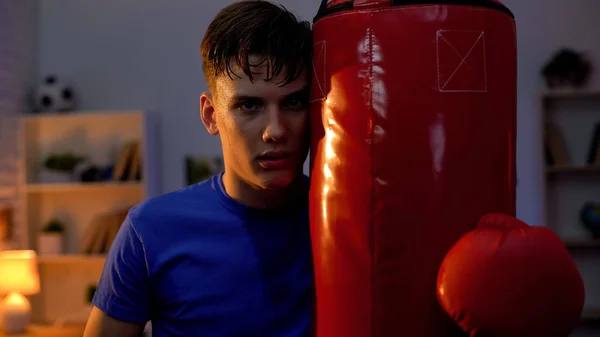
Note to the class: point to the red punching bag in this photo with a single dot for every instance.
(413, 117)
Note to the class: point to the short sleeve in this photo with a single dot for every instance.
(123, 289)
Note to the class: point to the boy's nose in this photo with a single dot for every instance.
(275, 130)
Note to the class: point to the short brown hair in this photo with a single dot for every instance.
(256, 27)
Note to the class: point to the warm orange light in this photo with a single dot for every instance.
(16, 302)
(19, 272)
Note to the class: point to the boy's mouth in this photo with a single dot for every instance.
(275, 160)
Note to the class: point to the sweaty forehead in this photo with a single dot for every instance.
(260, 86)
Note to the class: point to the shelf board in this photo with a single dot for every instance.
(569, 93)
(573, 169)
(78, 187)
(79, 114)
(71, 258)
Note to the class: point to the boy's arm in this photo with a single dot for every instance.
(122, 298)
(102, 325)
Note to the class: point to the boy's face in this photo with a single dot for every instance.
(263, 126)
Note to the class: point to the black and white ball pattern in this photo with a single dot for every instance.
(54, 95)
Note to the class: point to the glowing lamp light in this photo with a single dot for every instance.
(19, 277)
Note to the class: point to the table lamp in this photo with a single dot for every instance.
(18, 277)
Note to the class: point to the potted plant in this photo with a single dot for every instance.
(50, 240)
(59, 168)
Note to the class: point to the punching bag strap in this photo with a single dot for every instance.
(332, 6)
(327, 4)
(371, 3)
(357, 3)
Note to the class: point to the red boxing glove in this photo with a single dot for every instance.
(508, 279)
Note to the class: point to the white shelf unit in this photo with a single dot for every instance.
(99, 136)
(568, 187)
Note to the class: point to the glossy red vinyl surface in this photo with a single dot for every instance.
(413, 140)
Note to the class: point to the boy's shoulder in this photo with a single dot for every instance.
(178, 203)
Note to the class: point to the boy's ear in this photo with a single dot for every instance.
(207, 113)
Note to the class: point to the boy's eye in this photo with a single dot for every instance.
(248, 106)
(294, 104)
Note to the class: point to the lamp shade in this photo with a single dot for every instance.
(19, 272)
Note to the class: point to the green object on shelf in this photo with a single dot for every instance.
(65, 162)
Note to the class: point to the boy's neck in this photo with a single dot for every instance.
(254, 197)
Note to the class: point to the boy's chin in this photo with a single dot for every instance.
(277, 178)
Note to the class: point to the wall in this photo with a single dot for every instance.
(572, 24)
(144, 54)
(18, 22)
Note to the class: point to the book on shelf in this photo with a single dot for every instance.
(129, 162)
(101, 232)
(593, 156)
(555, 147)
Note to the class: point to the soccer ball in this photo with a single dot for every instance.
(54, 95)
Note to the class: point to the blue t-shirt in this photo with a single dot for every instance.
(196, 262)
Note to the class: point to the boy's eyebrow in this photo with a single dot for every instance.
(300, 92)
(244, 97)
